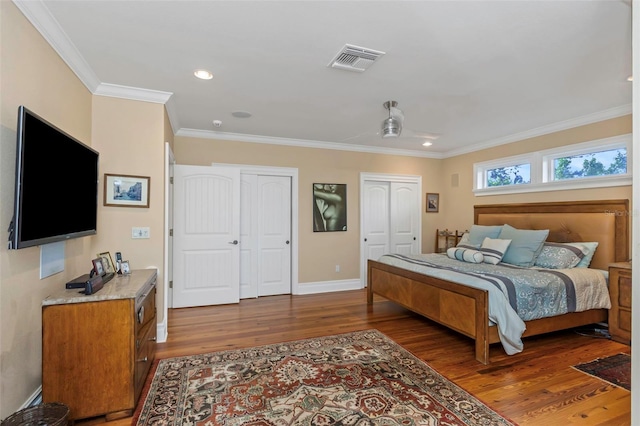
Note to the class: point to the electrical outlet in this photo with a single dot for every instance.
(337, 268)
(140, 232)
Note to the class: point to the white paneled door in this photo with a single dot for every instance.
(274, 229)
(206, 236)
(390, 218)
(265, 243)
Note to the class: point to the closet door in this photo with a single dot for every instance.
(274, 235)
(404, 221)
(390, 218)
(265, 242)
(376, 219)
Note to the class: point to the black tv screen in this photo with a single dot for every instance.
(56, 189)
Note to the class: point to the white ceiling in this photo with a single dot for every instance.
(479, 73)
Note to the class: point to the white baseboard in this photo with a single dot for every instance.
(161, 331)
(34, 399)
(328, 286)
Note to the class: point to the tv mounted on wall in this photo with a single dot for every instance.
(56, 188)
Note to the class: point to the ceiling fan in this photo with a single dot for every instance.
(392, 127)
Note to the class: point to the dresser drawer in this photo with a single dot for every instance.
(145, 354)
(624, 290)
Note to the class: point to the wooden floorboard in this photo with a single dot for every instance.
(536, 387)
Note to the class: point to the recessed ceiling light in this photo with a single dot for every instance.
(241, 114)
(427, 143)
(203, 74)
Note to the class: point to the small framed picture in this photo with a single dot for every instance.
(126, 190)
(433, 202)
(124, 267)
(107, 262)
(98, 269)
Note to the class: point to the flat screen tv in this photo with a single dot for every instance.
(56, 187)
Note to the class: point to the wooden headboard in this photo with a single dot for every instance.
(604, 221)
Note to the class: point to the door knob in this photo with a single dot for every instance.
(234, 242)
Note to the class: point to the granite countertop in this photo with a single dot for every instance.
(120, 287)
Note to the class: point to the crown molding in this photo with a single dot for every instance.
(237, 137)
(132, 93)
(544, 130)
(40, 17)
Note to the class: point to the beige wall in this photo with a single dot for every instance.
(459, 201)
(319, 252)
(32, 75)
(130, 137)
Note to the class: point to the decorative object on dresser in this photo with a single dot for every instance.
(107, 262)
(465, 308)
(620, 312)
(97, 350)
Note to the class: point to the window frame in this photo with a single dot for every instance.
(541, 165)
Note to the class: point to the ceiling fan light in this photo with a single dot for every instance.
(391, 128)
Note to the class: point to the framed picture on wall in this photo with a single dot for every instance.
(126, 190)
(433, 202)
(329, 207)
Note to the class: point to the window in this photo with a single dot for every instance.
(590, 164)
(511, 175)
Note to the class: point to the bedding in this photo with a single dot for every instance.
(516, 294)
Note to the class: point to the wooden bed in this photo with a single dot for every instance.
(464, 309)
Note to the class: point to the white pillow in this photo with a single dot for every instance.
(493, 249)
(465, 255)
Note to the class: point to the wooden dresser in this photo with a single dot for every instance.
(97, 349)
(620, 312)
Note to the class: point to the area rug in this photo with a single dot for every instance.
(359, 378)
(615, 369)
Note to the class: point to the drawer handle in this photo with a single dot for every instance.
(153, 339)
(141, 314)
(145, 359)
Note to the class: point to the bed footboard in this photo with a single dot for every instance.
(461, 308)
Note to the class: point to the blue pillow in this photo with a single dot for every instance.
(478, 233)
(525, 245)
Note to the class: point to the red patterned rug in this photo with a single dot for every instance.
(360, 378)
(615, 369)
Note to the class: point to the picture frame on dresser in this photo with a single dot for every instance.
(107, 262)
(98, 268)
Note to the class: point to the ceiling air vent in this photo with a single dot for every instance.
(355, 58)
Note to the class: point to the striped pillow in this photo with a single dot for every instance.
(493, 249)
(465, 255)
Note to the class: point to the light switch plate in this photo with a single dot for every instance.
(140, 232)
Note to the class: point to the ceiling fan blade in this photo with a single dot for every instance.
(397, 113)
(421, 135)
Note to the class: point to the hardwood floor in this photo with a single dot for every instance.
(536, 387)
